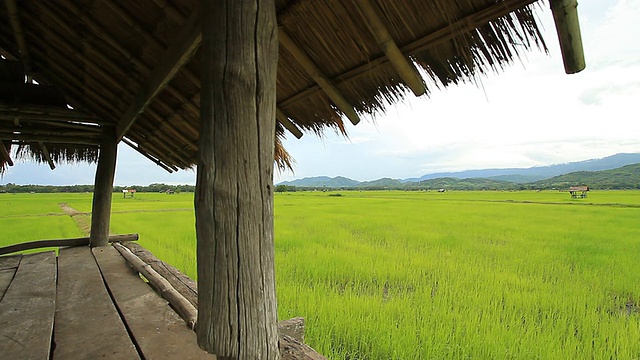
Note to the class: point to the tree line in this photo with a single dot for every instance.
(14, 188)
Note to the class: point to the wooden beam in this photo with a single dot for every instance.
(154, 160)
(234, 186)
(47, 157)
(39, 244)
(407, 70)
(103, 188)
(5, 154)
(284, 120)
(14, 19)
(174, 58)
(50, 139)
(316, 74)
(565, 16)
(446, 33)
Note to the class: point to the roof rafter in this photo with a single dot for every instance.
(173, 59)
(446, 33)
(5, 154)
(46, 154)
(14, 19)
(407, 71)
(318, 76)
(284, 120)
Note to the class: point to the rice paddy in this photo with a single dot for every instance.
(419, 275)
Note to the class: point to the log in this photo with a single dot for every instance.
(38, 244)
(181, 282)
(292, 327)
(565, 16)
(103, 189)
(234, 187)
(183, 307)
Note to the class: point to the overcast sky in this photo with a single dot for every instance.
(531, 114)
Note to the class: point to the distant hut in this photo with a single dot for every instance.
(578, 192)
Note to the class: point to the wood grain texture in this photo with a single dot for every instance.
(8, 267)
(28, 307)
(234, 186)
(87, 323)
(159, 332)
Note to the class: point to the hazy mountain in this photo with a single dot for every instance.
(626, 177)
(491, 178)
(384, 183)
(322, 181)
(525, 175)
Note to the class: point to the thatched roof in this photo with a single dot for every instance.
(119, 62)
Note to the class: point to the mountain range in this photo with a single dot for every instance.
(492, 178)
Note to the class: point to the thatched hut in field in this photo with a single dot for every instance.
(216, 86)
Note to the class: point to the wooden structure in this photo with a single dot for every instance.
(578, 192)
(216, 85)
(128, 193)
(52, 307)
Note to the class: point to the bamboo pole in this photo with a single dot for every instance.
(405, 69)
(182, 306)
(14, 19)
(316, 74)
(39, 244)
(565, 16)
(446, 33)
(47, 157)
(284, 120)
(5, 154)
(154, 160)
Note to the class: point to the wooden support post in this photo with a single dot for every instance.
(103, 189)
(565, 15)
(234, 186)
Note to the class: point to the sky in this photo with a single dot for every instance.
(529, 114)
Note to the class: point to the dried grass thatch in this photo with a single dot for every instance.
(331, 66)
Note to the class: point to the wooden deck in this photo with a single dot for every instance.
(86, 304)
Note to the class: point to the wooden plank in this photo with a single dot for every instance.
(9, 262)
(27, 309)
(159, 332)
(6, 276)
(85, 313)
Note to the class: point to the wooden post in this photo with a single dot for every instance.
(234, 186)
(565, 15)
(103, 189)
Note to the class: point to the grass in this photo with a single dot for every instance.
(426, 275)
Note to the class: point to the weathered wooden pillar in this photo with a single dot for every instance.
(234, 186)
(103, 188)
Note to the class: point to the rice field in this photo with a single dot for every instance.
(424, 275)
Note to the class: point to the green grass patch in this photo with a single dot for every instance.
(421, 275)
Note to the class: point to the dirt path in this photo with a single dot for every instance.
(83, 221)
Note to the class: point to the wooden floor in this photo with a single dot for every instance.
(86, 304)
